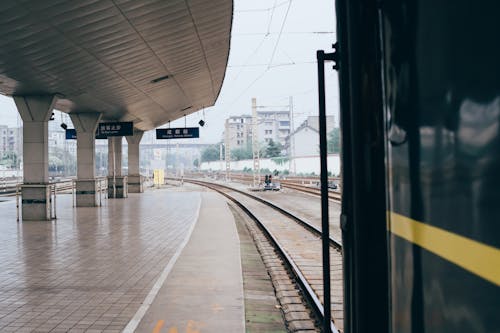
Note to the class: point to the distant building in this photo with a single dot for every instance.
(274, 125)
(57, 138)
(271, 125)
(240, 131)
(11, 139)
(305, 138)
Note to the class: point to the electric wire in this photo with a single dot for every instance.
(281, 31)
(271, 19)
(256, 10)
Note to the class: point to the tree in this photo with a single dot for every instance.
(61, 161)
(211, 153)
(242, 153)
(10, 160)
(196, 163)
(273, 149)
(333, 143)
(56, 164)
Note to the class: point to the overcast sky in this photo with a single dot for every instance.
(263, 63)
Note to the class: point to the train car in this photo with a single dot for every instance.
(420, 117)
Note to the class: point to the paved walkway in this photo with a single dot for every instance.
(204, 291)
(91, 270)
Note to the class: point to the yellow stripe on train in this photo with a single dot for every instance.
(478, 258)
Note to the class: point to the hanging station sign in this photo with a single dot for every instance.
(115, 129)
(105, 130)
(70, 134)
(178, 133)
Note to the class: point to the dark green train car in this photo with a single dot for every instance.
(420, 114)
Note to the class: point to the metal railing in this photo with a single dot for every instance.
(102, 187)
(54, 187)
(52, 197)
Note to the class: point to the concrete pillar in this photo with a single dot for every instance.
(117, 184)
(135, 181)
(35, 112)
(86, 183)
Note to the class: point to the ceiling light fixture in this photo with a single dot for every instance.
(202, 122)
(161, 78)
(187, 108)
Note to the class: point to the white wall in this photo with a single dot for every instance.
(307, 164)
(306, 142)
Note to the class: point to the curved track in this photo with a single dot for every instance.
(301, 251)
(298, 184)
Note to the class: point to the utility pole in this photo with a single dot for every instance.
(227, 152)
(221, 157)
(177, 170)
(255, 145)
(292, 165)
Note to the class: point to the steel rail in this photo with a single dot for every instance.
(331, 195)
(315, 230)
(299, 277)
(296, 184)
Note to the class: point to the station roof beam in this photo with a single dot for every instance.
(143, 61)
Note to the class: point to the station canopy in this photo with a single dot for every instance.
(146, 61)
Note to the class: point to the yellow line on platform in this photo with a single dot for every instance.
(478, 258)
(158, 326)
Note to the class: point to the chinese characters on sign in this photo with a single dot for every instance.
(178, 133)
(106, 129)
(115, 129)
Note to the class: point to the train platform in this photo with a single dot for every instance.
(167, 260)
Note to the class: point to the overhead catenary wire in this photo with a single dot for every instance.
(271, 19)
(258, 33)
(250, 57)
(275, 65)
(281, 31)
(256, 10)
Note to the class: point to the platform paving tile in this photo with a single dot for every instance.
(89, 270)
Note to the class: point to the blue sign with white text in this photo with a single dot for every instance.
(115, 129)
(106, 129)
(178, 133)
(71, 134)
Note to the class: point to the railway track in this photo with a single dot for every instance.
(335, 196)
(301, 251)
(299, 184)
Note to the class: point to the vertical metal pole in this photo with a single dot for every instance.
(255, 145)
(221, 158)
(325, 226)
(292, 166)
(55, 201)
(113, 142)
(17, 201)
(227, 151)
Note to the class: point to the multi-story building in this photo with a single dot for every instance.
(57, 139)
(271, 125)
(240, 131)
(11, 139)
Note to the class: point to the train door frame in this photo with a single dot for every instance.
(363, 219)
